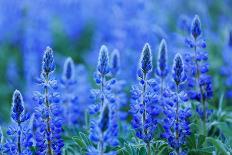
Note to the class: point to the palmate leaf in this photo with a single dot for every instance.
(82, 142)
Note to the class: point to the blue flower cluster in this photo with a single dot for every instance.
(118, 88)
(196, 66)
(176, 122)
(69, 98)
(48, 122)
(20, 140)
(145, 107)
(104, 127)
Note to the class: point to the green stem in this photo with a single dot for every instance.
(148, 148)
(19, 139)
(143, 96)
(177, 119)
(48, 118)
(202, 100)
(101, 145)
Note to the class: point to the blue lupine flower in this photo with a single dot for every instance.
(115, 62)
(196, 27)
(105, 131)
(117, 88)
(18, 107)
(199, 83)
(48, 113)
(103, 61)
(162, 69)
(71, 110)
(176, 123)
(145, 106)
(48, 64)
(20, 141)
(178, 70)
(146, 59)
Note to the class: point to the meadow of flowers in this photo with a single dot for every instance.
(123, 77)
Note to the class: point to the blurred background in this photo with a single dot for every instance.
(77, 28)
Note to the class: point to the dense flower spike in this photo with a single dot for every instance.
(105, 131)
(103, 61)
(69, 99)
(17, 107)
(48, 113)
(178, 68)
(162, 70)
(48, 64)
(20, 141)
(176, 123)
(196, 27)
(146, 59)
(200, 84)
(118, 87)
(144, 106)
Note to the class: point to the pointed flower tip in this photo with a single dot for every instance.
(115, 62)
(178, 68)
(17, 105)
(103, 61)
(69, 69)
(146, 59)
(48, 61)
(162, 59)
(196, 27)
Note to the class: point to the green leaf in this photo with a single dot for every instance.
(200, 141)
(199, 152)
(218, 145)
(191, 142)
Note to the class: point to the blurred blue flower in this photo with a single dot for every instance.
(104, 131)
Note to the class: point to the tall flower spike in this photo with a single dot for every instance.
(20, 139)
(178, 68)
(17, 106)
(48, 64)
(48, 112)
(146, 59)
(162, 70)
(196, 27)
(103, 61)
(104, 132)
(115, 62)
(69, 70)
(196, 66)
(143, 109)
